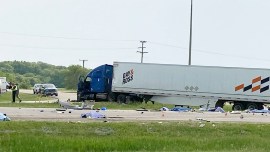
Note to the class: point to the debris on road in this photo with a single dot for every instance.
(217, 109)
(164, 109)
(61, 109)
(236, 112)
(142, 109)
(4, 117)
(93, 114)
(181, 109)
(259, 111)
(69, 105)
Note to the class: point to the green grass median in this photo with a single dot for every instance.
(133, 136)
(7, 97)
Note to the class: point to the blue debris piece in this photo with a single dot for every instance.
(181, 109)
(93, 114)
(164, 109)
(259, 111)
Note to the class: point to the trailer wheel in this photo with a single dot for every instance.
(78, 97)
(260, 106)
(252, 106)
(121, 98)
(111, 97)
(237, 106)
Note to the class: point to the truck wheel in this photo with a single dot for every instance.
(238, 106)
(111, 97)
(130, 99)
(121, 98)
(78, 97)
(252, 106)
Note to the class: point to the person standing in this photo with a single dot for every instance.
(15, 92)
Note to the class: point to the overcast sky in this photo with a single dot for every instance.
(61, 32)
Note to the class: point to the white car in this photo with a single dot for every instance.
(37, 88)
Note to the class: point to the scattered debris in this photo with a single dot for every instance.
(164, 109)
(93, 114)
(201, 125)
(236, 112)
(142, 109)
(61, 109)
(217, 109)
(259, 111)
(103, 108)
(4, 117)
(181, 109)
(69, 105)
(241, 117)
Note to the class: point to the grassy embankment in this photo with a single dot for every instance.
(133, 136)
(5, 101)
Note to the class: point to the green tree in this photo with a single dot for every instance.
(72, 75)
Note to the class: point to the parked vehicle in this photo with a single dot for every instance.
(205, 86)
(37, 88)
(3, 85)
(49, 89)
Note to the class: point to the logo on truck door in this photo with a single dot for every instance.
(128, 76)
(258, 84)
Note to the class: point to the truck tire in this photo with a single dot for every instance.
(237, 106)
(79, 97)
(111, 97)
(130, 99)
(121, 98)
(252, 106)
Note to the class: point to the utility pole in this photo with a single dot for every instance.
(142, 52)
(83, 62)
(190, 33)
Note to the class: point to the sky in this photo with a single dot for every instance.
(231, 33)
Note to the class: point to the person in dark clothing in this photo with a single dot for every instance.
(15, 92)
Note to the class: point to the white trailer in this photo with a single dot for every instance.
(3, 85)
(247, 88)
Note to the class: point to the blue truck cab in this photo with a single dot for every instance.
(97, 83)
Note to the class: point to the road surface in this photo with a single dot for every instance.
(51, 114)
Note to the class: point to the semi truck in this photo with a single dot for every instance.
(181, 85)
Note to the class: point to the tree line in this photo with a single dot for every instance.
(26, 74)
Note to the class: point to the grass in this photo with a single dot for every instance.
(30, 105)
(7, 97)
(133, 136)
(131, 106)
(67, 90)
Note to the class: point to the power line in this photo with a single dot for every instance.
(210, 52)
(169, 45)
(48, 48)
(142, 52)
(62, 37)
